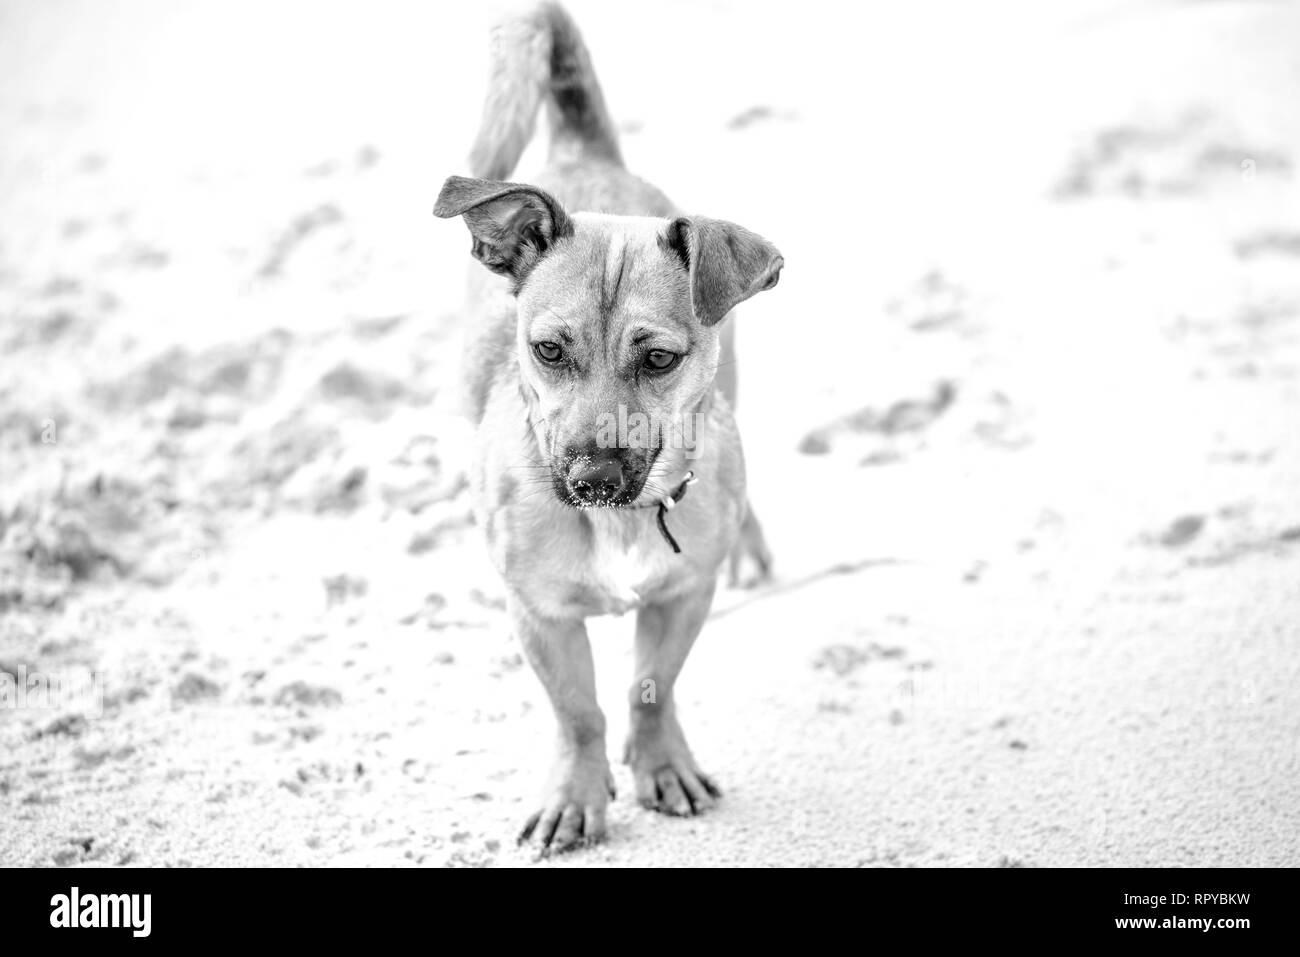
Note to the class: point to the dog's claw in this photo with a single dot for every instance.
(529, 826)
(711, 788)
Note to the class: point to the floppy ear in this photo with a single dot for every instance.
(513, 225)
(727, 263)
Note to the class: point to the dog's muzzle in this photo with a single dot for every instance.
(602, 479)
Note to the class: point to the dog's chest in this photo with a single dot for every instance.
(627, 565)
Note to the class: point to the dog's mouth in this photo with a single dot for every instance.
(577, 492)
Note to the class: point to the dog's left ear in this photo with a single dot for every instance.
(727, 263)
(513, 225)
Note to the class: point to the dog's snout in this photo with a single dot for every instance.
(596, 481)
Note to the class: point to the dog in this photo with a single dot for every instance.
(597, 303)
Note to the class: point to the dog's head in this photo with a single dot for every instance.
(617, 327)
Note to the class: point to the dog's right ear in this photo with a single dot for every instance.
(512, 225)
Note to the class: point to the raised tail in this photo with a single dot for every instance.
(536, 55)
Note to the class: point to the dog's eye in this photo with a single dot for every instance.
(548, 351)
(660, 360)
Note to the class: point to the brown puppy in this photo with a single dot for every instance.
(593, 376)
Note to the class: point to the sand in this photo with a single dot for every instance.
(1021, 421)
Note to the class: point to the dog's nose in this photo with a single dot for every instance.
(596, 481)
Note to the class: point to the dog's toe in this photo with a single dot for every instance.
(568, 833)
(672, 796)
(679, 791)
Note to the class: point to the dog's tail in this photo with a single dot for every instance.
(538, 54)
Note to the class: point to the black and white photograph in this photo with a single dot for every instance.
(689, 434)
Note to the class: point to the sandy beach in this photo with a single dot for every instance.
(1028, 455)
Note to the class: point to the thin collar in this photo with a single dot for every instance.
(665, 505)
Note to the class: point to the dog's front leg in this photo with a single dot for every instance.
(580, 783)
(666, 775)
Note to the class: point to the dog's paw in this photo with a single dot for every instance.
(677, 789)
(666, 776)
(572, 814)
(750, 561)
